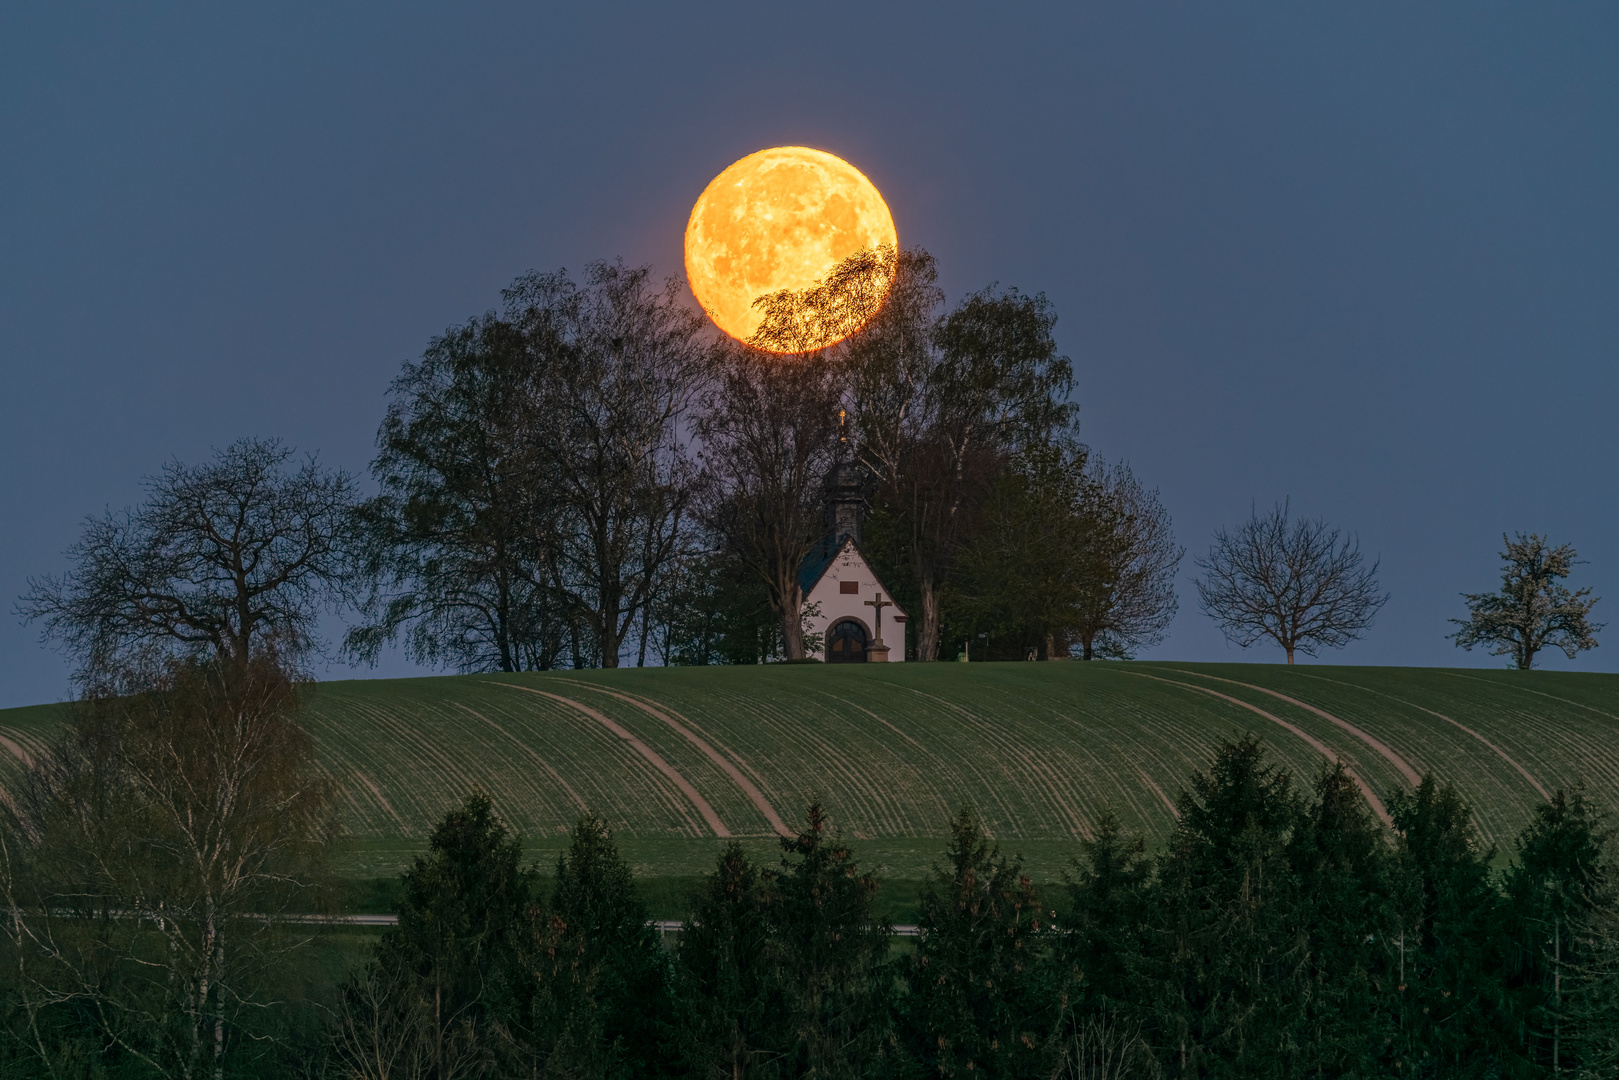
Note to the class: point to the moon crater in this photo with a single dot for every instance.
(778, 220)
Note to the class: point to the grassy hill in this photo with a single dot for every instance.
(677, 759)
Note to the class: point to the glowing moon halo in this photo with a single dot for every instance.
(778, 219)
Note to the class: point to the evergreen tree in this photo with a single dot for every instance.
(450, 963)
(980, 999)
(1452, 1015)
(602, 981)
(1108, 894)
(1562, 885)
(1592, 995)
(730, 996)
(1346, 916)
(1228, 953)
(836, 985)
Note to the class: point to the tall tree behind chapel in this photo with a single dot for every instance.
(940, 403)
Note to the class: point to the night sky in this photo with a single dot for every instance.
(1365, 256)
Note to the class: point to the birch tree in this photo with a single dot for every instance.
(148, 856)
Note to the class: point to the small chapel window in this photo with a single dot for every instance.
(848, 586)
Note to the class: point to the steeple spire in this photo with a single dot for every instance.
(845, 491)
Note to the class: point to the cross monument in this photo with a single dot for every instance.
(878, 652)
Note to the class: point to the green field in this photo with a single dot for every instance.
(677, 759)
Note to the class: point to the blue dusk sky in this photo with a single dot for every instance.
(1365, 256)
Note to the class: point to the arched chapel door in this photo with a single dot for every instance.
(846, 643)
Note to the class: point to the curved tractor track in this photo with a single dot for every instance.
(677, 761)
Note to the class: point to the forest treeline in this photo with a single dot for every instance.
(162, 861)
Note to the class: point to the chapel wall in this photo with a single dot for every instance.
(848, 566)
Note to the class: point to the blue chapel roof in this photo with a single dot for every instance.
(815, 564)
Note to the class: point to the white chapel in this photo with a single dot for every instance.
(848, 606)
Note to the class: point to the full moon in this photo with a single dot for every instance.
(778, 219)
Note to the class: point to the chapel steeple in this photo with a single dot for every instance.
(845, 494)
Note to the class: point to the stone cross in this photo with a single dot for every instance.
(879, 604)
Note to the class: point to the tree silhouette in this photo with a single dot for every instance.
(1532, 611)
(228, 557)
(1303, 584)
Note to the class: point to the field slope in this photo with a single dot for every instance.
(678, 759)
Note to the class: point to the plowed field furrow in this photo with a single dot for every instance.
(624, 784)
(370, 785)
(869, 812)
(1310, 734)
(528, 754)
(655, 759)
(1134, 810)
(1183, 732)
(1041, 750)
(754, 795)
(1102, 789)
(693, 756)
(1082, 769)
(944, 770)
(477, 760)
(1531, 690)
(35, 743)
(1467, 732)
(422, 751)
(1119, 724)
(1498, 751)
(1179, 732)
(1377, 745)
(427, 802)
(1062, 773)
(754, 747)
(10, 744)
(883, 793)
(1326, 751)
(1089, 778)
(457, 756)
(1054, 816)
(607, 776)
(1557, 747)
(1372, 770)
(1070, 766)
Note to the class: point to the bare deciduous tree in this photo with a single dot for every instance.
(148, 857)
(1102, 1045)
(618, 365)
(1302, 584)
(381, 1030)
(1533, 611)
(769, 429)
(1127, 598)
(222, 557)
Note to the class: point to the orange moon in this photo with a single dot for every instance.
(778, 219)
